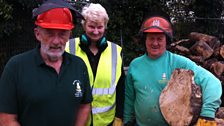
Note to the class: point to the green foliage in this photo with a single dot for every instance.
(126, 17)
(5, 11)
(16, 14)
(211, 11)
(5, 16)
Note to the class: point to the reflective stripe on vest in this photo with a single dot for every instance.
(72, 46)
(103, 109)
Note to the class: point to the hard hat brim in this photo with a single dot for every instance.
(55, 26)
(154, 30)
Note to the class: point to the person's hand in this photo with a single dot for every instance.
(117, 122)
(206, 122)
(130, 123)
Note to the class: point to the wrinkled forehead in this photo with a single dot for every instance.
(95, 22)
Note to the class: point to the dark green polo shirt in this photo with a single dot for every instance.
(40, 96)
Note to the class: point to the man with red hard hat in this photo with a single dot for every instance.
(46, 86)
(148, 76)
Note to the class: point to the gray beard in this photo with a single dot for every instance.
(54, 58)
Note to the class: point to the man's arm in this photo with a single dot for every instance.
(82, 115)
(8, 120)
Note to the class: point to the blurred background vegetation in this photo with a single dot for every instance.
(126, 16)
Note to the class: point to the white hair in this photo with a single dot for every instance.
(95, 12)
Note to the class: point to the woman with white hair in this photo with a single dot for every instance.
(104, 63)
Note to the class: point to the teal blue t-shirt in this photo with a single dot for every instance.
(146, 79)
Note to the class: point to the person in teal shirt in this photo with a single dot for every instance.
(149, 74)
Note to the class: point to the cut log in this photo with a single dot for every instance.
(207, 64)
(180, 100)
(216, 52)
(217, 68)
(198, 59)
(201, 49)
(219, 116)
(220, 113)
(220, 122)
(183, 50)
(221, 51)
(182, 42)
(212, 41)
(196, 102)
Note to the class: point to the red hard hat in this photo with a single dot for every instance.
(157, 24)
(57, 18)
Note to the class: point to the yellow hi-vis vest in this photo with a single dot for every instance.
(104, 84)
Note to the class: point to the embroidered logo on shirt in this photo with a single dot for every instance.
(164, 76)
(78, 90)
(164, 79)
